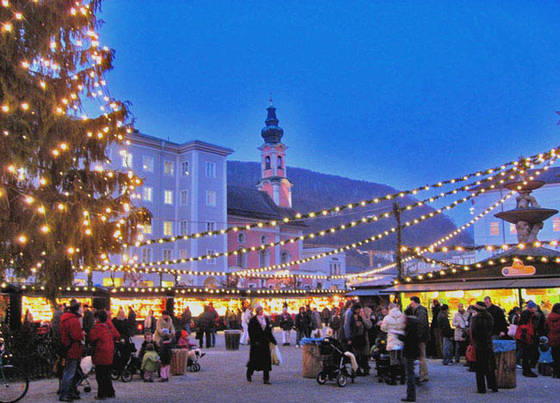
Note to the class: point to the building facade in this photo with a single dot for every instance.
(270, 200)
(184, 187)
(331, 265)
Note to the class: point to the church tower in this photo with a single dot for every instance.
(274, 179)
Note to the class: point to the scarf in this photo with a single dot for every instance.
(262, 321)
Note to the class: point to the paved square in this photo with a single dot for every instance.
(222, 379)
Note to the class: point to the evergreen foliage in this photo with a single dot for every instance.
(59, 204)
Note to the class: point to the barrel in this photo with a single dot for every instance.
(504, 351)
(232, 339)
(178, 361)
(311, 360)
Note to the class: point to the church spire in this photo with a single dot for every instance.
(272, 133)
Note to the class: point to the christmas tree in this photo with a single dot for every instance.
(60, 206)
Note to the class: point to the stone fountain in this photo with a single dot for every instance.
(528, 215)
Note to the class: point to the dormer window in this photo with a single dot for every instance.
(267, 162)
(279, 162)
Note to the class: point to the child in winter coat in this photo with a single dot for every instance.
(149, 363)
(394, 325)
(165, 357)
(545, 357)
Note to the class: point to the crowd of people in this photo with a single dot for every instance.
(406, 336)
(78, 330)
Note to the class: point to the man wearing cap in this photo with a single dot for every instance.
(71, 337)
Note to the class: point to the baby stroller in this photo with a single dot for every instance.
(192, 363)
(125, 363)
(82, 371)
(337, 364)
(381, 357)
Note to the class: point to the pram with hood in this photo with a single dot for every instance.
(381, 356)
(337, 364)
(125, 362)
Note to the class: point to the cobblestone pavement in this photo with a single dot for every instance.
(222, 379)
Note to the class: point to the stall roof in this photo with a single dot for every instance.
(476, 285)
(370, 292)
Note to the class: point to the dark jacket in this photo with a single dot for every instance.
(481, 338)
(499, 318)
(335, 322)
(88, 321)
(421, 313)
(435, 314)
(165, 352)
(103, 336)
(412, 339)
(443, 324)
(71, 335)
(325, 316)
(259, 356)
(286, 321)
(122, 326)
(357, 332)
(553, 326)
(302, 322)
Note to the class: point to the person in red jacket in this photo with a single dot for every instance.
(553, 326)
(103, 336)
(71, 337)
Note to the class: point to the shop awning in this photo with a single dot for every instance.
(476, 285)
(367, 292)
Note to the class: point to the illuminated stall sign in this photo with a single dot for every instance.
(518, 269)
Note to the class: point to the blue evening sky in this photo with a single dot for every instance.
(399, 92)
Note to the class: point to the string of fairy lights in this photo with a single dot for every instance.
(363, 220)
(430, 248)
(337, 209)
(367, 273)
(90, 80)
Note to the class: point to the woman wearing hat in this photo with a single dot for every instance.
(481, 338)
(260, 337)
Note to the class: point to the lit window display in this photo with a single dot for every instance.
(196, 306)
(506, 298)
(41, 309)
(141, 306)
(545, 297)
(275, 305)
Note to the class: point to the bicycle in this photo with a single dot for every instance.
(14, 383)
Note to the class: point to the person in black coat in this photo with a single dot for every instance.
(303, 325)
(411, 351)
(260, 337)
(482, 326)
(500, 326)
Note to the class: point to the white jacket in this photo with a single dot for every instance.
(460, 324)
(394, 324)
(246, 318)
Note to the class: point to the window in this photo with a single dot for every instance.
(284, 257)
(211, 198)
(183, 253)
(242, 260)
(183, 227)
(167, 254)
(168, 228)
(512, 229)
(146, 255)
(211, 252)
(210, 226)
(185, 168)
(241, 238)
(148, 163)
(267, 162)
(168, 197)
(279, 164)
(210, 169)
(556, 224)
(126, 159)
(148, 191)
(168, 168)
(184, 197)
(145, 228)
(263, 258)
(495, 228)
(263, 239)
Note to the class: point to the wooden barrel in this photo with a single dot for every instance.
(232, 339)
(311, 360)
(178, 361)
(505, 369)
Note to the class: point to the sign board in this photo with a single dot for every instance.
(518, 269)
